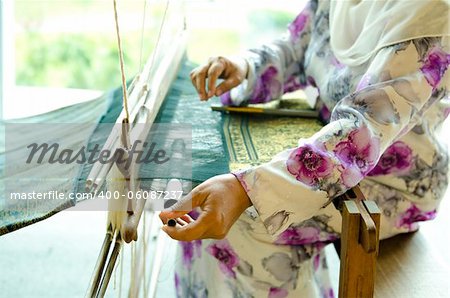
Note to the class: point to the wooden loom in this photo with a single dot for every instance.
(146, 93)
(145, 96)
(359, 245)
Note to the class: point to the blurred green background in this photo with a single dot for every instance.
(72, 43)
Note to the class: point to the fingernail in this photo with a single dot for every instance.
(210, 93)
(219, 93)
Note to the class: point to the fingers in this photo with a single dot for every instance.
(192, 231)
(187, 229)
(167, 214)
(214, 73)
(213, 70)
(186, 218)
(198, 78)
(200, 82)
(227, 85)
(183, 206)
(205, 226)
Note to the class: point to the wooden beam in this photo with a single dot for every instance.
(359, 247)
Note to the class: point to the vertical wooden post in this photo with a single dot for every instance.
(359, 248)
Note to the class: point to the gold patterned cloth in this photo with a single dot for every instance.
(255, 139)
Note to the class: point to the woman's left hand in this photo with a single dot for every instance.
(221, 200)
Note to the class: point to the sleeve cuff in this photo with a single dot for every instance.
(278, 197)
(239, 95)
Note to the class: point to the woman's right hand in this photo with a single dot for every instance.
(232, 70)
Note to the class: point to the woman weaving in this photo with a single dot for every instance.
(381, 67)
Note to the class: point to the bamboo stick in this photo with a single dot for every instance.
(111, 265)
(100, 265)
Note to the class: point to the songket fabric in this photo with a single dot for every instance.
(384, 118)
(16, 214)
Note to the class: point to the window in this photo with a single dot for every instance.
(6, 51)
(1, 60)
(61, 52)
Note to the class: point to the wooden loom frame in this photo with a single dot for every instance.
(359, 245)
(146, 94)
(361, 219)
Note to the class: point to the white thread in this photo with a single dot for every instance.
(142, 37)
(144, 253)
(121, 273)
(124, 82)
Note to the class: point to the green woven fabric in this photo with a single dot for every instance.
(182, 107)
(220, 142)
(26, 212)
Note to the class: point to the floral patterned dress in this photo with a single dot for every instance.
(382, 134)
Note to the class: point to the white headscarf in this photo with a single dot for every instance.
(359, 28)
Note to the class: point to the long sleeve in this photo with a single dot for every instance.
(396, 89)
(275, 68)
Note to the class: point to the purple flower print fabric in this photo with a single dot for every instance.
(369, 135)
(383, 117)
